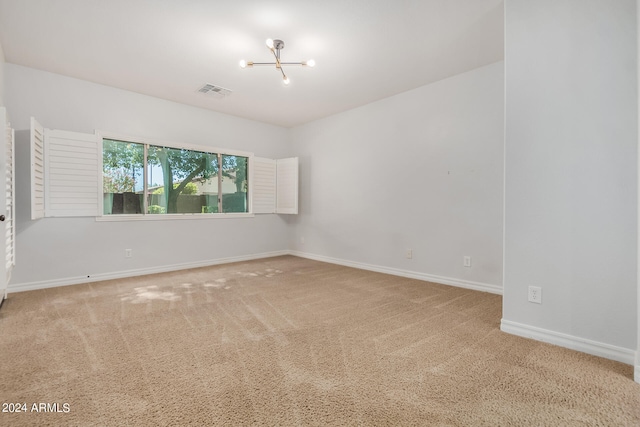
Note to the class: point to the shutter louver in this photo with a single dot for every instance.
(287, 186)
(264, 185)
(275, 185)
(72, 182)
(10, 179)
(37, 170)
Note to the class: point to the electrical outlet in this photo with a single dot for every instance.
(535, 294)
(128, 253)
(409, 253)
(466, 261)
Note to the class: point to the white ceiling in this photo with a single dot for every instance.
(365, 50)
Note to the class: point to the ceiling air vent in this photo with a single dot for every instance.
(213, 90)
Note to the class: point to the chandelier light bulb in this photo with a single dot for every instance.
(311, 63)
(286, 80)
(243, 64)
(270, 43)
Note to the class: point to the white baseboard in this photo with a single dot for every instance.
(595, 348)
(485, 287)
(30, 286)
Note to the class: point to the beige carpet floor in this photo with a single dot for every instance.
(287, 341)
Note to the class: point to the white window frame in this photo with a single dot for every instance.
(181, 216)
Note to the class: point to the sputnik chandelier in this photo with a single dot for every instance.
(275, 46)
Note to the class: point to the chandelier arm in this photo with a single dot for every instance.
(277, 57)
(275, 63)
(279, 65)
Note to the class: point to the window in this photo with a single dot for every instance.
(155, 180)
(87, 175)
(234, 172)
(122, 177)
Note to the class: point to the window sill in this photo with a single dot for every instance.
(167, 217)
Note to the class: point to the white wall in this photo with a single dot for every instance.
(58, 249)
(421, 170)
(571, 172)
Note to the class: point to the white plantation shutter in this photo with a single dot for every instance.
(37, 170)
(7, 202)
(10, 180)
(275, 185)
(287, 186)
(72, 173)
(264, 185)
